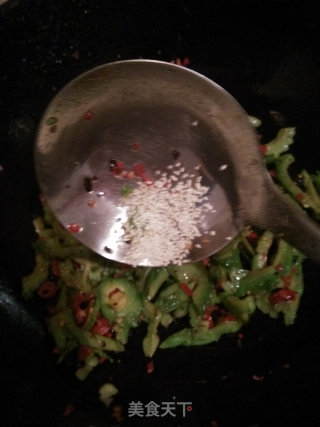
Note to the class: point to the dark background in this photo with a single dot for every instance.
(266, 54)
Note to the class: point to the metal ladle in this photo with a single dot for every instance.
(166, 110)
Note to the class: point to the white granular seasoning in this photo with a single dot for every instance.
(164, 218)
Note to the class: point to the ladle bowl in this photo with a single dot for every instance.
(150, 112)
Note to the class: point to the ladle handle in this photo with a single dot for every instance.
(284, 218)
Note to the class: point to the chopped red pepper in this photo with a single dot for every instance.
(253, 236)
(81, 306)
(263, 149)
(74, 228)
(136, 146)
(116, 167)
(88, 115)
(287, 280)
(299, 196)
(139, 171)
(102, 327)
(228, 317)
(273, 173)
(205, 261)
(48, 289)
(56, 350)
(114, 292)
(68, 410)
(282, 295)
(209, 311)
(186, 289)
(84, 351)
(150, 367)
(55, 267)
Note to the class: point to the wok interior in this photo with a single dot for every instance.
(165, 109)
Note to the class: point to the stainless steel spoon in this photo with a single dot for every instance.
(151, 112)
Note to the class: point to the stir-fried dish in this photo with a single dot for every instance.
(95, 303)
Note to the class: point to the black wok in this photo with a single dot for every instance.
(269, 61)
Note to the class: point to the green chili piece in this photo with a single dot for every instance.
(263, 279)
(239, 306)
(304, 198)
(283, 259)
(200, 336)
(151, 341)
(93, 340)
(51, 121)
(119, 298)
(202, 294)
(188, 273)
(280, 144)
(171, 298)
(31, 282)
(154, 281)
(261, 257)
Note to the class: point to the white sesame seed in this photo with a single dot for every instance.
(223, 167)
(163, 221)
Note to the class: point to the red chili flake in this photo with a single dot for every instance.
(205, 261)
(68, 410)
(88, 115)
(150, 367)
(91, 203)
(84, 351)
(55, 267)
(219, 284)
(240, 336)
(81, 306)
(228, 317)
(253, 236)
(116, 167)
(182, 62)
(287, 280)
(74, 228)
(208, 312)
(118, 275)
(101, 359)
(273, 173)
(279, 267)
(48, 289)
(299, 196)
(294, 268)
(186, 61)
(102, 327)
(52, 309)
(136, 146)
(282, 295)
(140, 171)
(114, 292)
(263, 149)
(186, 289)
(257, 378)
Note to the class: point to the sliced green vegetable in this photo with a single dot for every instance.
(120, 299)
